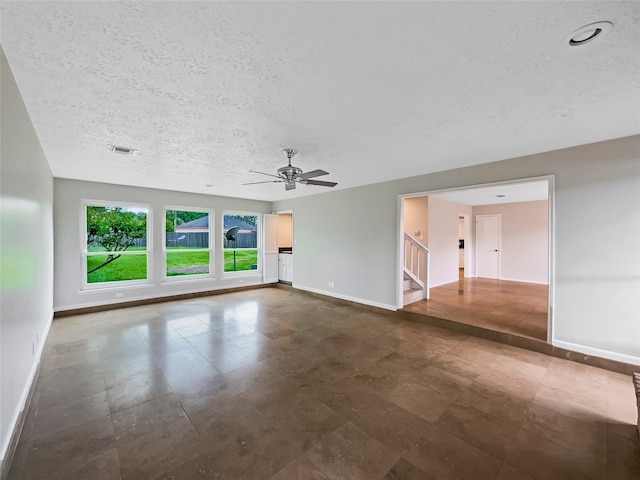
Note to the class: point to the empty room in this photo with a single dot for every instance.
(245, 240)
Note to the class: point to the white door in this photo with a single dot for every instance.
(270, 255)
(488, 246)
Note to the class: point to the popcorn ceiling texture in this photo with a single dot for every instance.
(368, 91)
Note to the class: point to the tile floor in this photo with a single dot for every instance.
(277, 384)
(517, 308)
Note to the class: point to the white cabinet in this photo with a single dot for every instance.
(285, 267)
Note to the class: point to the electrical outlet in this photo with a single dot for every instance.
(119, 295)
(332, 285)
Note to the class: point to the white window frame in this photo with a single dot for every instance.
(211, 250)
(258, 271)
(84, 253)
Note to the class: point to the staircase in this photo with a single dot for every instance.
(412, 292)
(416, 271)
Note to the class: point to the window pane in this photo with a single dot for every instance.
(111, 229)
(114, 231)
(187, 229)
(187, 263)
(240, 259)
(105, 268)
(240, 239)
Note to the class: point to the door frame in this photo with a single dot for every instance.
(551, 238)
(293, 237)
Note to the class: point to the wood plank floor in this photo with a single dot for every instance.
(517, 308)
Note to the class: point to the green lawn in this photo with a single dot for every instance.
(187, 263)
(244, 260)
(127, 267)
(134, 267)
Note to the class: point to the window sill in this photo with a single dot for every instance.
(111, 288)
(187, 279)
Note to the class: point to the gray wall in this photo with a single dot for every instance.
(597, 240)
(69, 194)
(26, 254)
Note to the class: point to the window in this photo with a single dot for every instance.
(187, 243)
(116, 243)
(240, 237)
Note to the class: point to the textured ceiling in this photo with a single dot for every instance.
(368, 91)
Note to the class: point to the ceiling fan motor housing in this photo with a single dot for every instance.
(289, 172)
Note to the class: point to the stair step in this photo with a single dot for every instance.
(407, 284)
(411, 296)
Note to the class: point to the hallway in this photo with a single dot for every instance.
(517, 308)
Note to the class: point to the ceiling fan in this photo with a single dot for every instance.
(291, 175)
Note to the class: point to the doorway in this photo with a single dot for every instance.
(492, 290)
(285, 246)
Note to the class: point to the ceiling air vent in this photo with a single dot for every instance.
(120, 150)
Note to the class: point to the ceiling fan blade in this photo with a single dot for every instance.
(312, 173)
(290, 186)
(267, 181)
(320, 183)
(262, 173)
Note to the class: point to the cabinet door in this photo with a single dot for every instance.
(290, 268)
(282, 267)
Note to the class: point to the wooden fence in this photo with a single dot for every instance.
(201, 240)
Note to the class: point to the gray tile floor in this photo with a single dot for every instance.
(277, 384)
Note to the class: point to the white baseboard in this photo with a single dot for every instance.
(596, 352)
(347, 297)
(11, 431)
(523, 281)
(434, 285)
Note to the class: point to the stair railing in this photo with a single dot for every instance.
(416, 263)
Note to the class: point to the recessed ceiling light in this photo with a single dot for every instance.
(587, 34)
(121, 150)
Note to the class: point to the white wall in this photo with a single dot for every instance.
(597, 240)
(68, 195)
(26, 254)
(443, 240)
(524, 239)
(416, 214)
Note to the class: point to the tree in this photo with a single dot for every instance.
(248, 219)
(114, 229)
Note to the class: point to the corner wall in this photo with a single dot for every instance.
(597, 240)
(26, 255)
